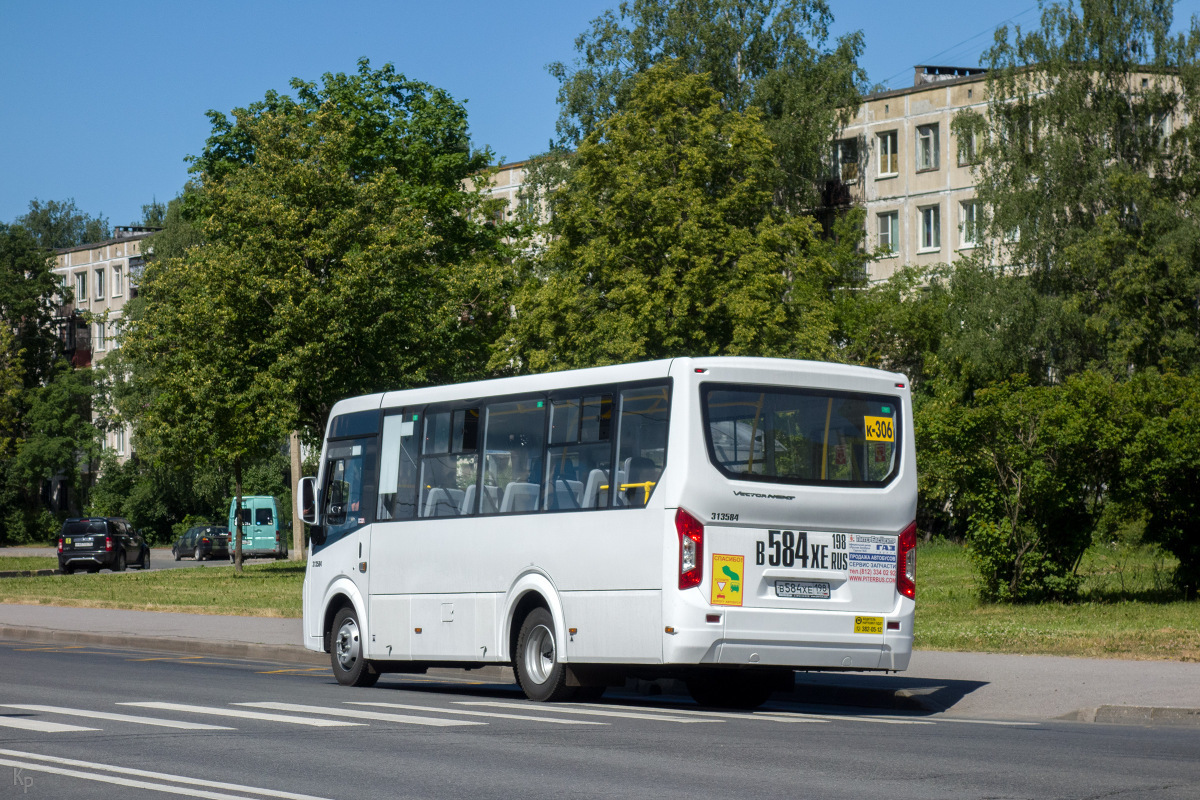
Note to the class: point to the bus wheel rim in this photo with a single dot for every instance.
(539, 654)
(347, 644)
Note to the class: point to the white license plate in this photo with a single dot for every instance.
(811, 590)
(82, 543)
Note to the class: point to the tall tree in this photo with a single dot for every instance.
(57, 224)
(1087, 165)
(773, 55)
(666, 242)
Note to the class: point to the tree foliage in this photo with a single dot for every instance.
(1087, 164)
(56, 224)
(772, 55)
(666, 243)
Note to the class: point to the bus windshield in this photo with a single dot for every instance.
(801, 436)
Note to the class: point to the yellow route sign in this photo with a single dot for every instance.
(879, 429)
(728, 573)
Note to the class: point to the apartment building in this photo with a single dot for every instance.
(102, 277)
(899, 159)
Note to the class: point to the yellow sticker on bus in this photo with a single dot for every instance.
(879, 429)
(727, 578)
(868, 624)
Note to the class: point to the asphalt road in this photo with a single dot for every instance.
(443, 738)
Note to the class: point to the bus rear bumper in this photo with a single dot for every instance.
(813, 639)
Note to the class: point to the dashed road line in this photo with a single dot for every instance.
(496, 714)
(83, 712)
(242, 714)
(405, 719)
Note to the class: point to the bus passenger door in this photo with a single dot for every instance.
(346, 515)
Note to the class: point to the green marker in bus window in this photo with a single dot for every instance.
(886, 410)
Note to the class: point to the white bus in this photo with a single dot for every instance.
(724, 521)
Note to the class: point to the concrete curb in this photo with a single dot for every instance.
(1138, 715)
(29, 573)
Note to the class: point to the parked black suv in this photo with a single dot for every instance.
(201, 542)
(95, 543)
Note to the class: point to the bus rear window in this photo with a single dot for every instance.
(802, 436)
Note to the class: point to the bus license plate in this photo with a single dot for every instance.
(811, 590)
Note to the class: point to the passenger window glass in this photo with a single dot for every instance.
(262, 516)
(512, 477)
(450, 464)
(642, 443)
(578, 465)
(399, 467)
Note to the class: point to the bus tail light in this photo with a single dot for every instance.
(906, 561)
(691, 549)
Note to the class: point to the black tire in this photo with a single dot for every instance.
(120, 565)
(175, 553)
(539, 672)
(144, 564)
(198, 555)
(350, 665)
(68, 570)
(730, 690)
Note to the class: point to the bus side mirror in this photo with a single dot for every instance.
(306, 500)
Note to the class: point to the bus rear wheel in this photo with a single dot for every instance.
(350, 665)
(539, 672)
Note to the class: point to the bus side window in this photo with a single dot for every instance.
(398, 467)
(513, 444)
(449, 463)
(642, 443)
(577, 468)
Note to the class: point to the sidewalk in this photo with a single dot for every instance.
(968, 685)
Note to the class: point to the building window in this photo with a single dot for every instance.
(119, 441)
(113, 341)
(931, 228)
(927, 147)
(968, 217)
(100, 337)
(100, 284)
(845, 160)
(968, 149)
(889, 156)
(80, 287)
(889, 233)
(117, 287)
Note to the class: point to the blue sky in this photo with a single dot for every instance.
(101, 102)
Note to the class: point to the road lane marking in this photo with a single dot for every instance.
(497, 714)
(82, 712)
(295, 671)
(585, 711)
(188, 789)
(406, 719)
(236, 712)
(697, 713)
(782, 715)
(41, 726)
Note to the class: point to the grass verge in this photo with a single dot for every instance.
(27, 562)
(1125, 610)
(262, 590)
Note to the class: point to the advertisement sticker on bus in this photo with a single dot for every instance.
(727, 572)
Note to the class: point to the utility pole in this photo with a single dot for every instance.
(297, 549)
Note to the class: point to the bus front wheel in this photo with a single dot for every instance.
(350, 665)
(539, 672)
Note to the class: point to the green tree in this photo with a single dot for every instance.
(1087, 166)
(772, 55)
(55, 224)
(666, 242)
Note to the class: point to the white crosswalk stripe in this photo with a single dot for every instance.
(406, 719)
(495, 714)
(26, 724)
(589, 711)
(83, 712)
(243, 714)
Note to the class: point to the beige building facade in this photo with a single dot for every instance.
(102, 278)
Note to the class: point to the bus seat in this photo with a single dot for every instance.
(491, 499)
(468, 501)
(567, 493)
(443, 502)
(519, 497)
(591, 492)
